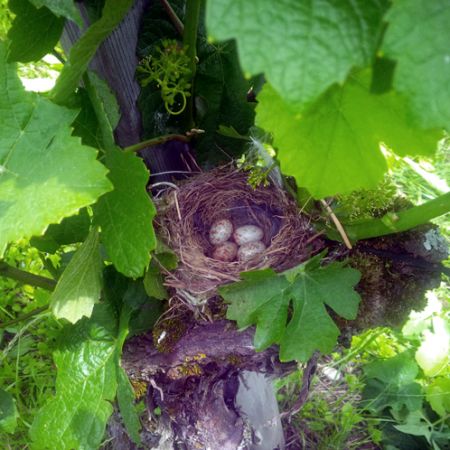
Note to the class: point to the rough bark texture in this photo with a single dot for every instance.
(205, 386)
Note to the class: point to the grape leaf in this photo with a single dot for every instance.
(64, 8)
(84, 49)
(71, 230)
(153, 281)
(263, 298)
(438, 394)
(8, 412)
(417, 425)
(125, 214)
(45, 174)
(221, 98)
(79, 287)
(434, 350)
(334, 147)
(379, 395)
(418, 37)
(106, 99)
(86, 124)
(75, 418)
(302, 47)
(125, 398)
(33, 33)
(105, 108)
(400, 369)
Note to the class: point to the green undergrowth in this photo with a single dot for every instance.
(27, 371)
(353, 404)
(390, 389)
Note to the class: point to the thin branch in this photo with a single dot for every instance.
(161, 139)
(338, 224)
(58, 56)
(177, 23)
(156, 141)
(191, 22)
(308, 375)
(399, 221)
(26, 277)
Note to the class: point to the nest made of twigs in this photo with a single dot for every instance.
(187, 213)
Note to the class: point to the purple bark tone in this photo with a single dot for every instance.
(204, 383)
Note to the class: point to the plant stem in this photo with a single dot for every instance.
(26, 277)
(190, 44)
(24, 317)
(156, 141)
(177, 23)
(58, 56)
(396, 222)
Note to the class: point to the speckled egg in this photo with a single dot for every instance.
(225, 252)
(220, 231)
(247, 233)
(249, 250)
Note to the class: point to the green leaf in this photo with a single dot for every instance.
(334, 147)
(145, 310)
(82, 52)
(379, 395)
(125, 393)
(105, 106)
(418, 37)
(71, 230)
(34, 32)
(107, 99)
(64, 8)
(433, 353)
(263, 297)
(417, 425)
(86, 124)
(419, 321)
(221, 99)
(310, 327)
(8, 412)
(254, 300)
(438, 395)
(75, 417)
(125, 215)
(79, 287)
(163, 257)
(45, 174)
(400, 369)
(154, 282)
(302, 47)
(125, 398)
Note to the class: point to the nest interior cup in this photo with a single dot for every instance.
(187, 213)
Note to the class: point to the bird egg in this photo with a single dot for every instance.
(225, 252)
(249, 250)
(220, 231)
(247, 233)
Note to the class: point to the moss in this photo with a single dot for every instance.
(394, 278)
(167, 333)
(185, 370)
(367, 203)
(139, 388)
(234, 360)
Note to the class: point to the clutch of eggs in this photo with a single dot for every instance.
(247, 237)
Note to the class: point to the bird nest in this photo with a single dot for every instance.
(186, 214)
